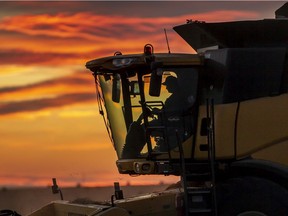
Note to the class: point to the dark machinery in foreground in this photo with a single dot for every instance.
(218, 119)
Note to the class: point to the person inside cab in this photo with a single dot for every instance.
(174, 105)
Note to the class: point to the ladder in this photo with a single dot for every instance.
(201, 201)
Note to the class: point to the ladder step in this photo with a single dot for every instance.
(197, 177)
(200, 164)
(197, 174)
(199, 201)
(198, 191)
(193, 211)
(156, 127)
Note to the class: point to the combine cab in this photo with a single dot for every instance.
(218, 119)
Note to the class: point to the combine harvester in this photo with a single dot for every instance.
(218, 119)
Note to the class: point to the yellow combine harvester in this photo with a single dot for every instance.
(218, 119)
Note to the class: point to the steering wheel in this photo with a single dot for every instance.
(153, 112)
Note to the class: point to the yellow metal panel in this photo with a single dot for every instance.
(114, 211)
(276, 153)
(47, 210)
(224, 131)
(262, 123)
(64, 208)
(155, 204)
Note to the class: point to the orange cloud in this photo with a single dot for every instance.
(65, 38)
(91, 26)
(79, 82)
(45, 103)
(55, 93)
(29, 57)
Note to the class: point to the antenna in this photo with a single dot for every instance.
(56, 189)
(167, 41)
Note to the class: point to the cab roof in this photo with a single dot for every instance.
(119, 63)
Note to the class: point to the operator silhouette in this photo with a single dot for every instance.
(175, 103)
(177, 109)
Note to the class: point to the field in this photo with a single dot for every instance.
(27, 200)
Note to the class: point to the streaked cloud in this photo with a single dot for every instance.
(77, 114)
(21, 57)
(90, 26)
(80, 79)
(54, 93)
(22, 75)
(45, 103)
(63, 38)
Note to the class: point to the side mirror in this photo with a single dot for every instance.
(156, 79)
(116, 88)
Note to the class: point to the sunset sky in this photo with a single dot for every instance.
(49, 120)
